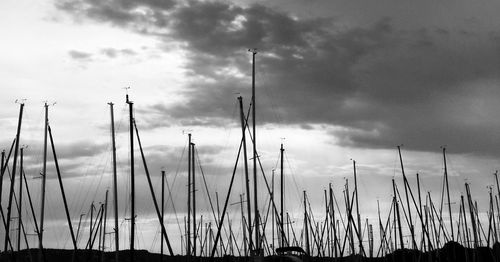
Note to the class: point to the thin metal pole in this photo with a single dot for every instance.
(406, 184)
(256, 206)
(132, 178)
(247, 180)
(282, 193)
(188, 235)
(62, 190)
(20, 200)
(360, 237)
(158, 213)
(448, 193)
(11, 192)
(104, 225)
(306, 226)
(162, 209)
(44, 180)
(194, 197)
(398, 215)
(115, 183)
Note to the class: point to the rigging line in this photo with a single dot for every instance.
(206, 188)
(205, 183)
(338, 208)
(173, 207)
(297, 192)
(169, 197)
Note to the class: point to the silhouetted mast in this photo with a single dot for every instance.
(247, 180)
(406, 184)
(188, 237)
(11, 192)
(104, 225)
(153, 196)
(115, 183)
(20, 201)
(194, 198)
(306, 226)
(448, 193)
(62, 190)
(44, 179)
(162, 209)
(132, 178)
(282, 193)
(256, 206)
(397, 215)
(360, 239)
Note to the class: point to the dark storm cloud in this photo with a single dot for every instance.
(378, 84)
(118, 12)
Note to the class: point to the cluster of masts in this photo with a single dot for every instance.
(337, 235)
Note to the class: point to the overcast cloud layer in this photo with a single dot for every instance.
(378, 84)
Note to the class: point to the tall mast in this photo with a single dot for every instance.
(472, 216)
(194, 198)
(282, 192)
(247, 180)
(44, 179)
(104, 225)
(245, 247)
(115, 182)
(397, 215)
(153, 196)
(420, 208)
(256, 206)
(20, 201)
(306, 226)
(11, 193)
(448, 193)
(162, 209)
(361, 250)
(188, 236)
(132, 178)
(406, 184)
(73, 238)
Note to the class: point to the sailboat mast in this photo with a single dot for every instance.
(448, 193)
(132, 179)
(162, 209)
(44, 179)
(397, 216)
(407, 185)
(306, 226)
(115, 182)
(20, 201)
(65, 202)
(188, 236)
(247, 180)
(104, 224)
(194, 198)
(282, 193)
(256, 206)
(360, 237)
(11, 192)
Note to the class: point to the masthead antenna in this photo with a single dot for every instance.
(126, 93)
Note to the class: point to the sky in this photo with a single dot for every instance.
(336, 81)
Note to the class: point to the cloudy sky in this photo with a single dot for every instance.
(336, 80)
